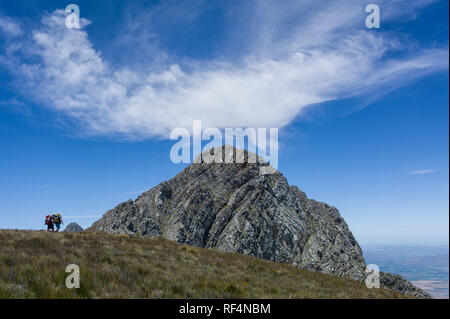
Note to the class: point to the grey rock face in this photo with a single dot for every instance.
(232, 207)
(73, 228)
(401, 284)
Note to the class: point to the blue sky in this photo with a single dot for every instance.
(85, 115)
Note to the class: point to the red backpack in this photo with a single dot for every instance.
(47, 219)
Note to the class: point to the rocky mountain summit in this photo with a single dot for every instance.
(235, 208)
(73, 228)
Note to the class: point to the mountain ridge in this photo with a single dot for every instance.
(234, 208)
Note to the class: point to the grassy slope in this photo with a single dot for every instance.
(32, 265)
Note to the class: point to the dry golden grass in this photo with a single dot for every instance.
(32, 265)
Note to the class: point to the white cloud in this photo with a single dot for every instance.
(9, 27)
(326, 56)
(423, 171)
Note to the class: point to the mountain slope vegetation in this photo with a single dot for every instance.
(33, 264)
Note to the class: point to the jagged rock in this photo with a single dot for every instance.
(235, 208)
(399, 283)
(73, 228)
(232, 207)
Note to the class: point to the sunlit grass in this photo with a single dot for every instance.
(32, 265)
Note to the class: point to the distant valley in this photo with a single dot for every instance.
(426, 266)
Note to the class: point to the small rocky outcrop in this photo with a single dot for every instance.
(399, 283)
(73, 228)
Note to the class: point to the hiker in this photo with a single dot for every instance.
(58, 221)
(49, 222)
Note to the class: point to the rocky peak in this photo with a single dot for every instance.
(235, 208)
(232, 207)
(73, 228)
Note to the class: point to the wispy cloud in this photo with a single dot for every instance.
(16, 105)
(9, 26)
(299, 54)
(423, 171)
(83, 216)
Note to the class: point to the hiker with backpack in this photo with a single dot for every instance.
(49, 222)
(58, 221)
